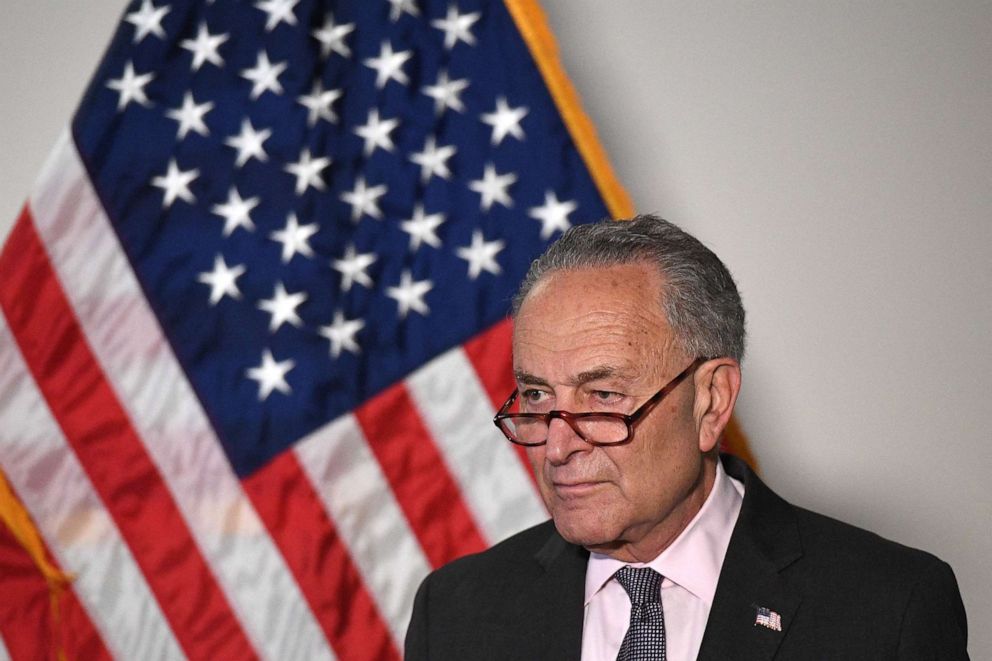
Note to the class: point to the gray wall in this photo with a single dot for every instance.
(837, 155)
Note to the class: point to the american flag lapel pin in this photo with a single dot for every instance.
(768, 618)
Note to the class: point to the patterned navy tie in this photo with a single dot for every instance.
(645, 639)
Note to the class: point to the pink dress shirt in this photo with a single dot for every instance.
(691, 567)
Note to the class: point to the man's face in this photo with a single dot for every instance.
(596, 339)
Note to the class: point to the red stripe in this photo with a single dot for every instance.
(27, 624)
(491, 354)
(417, 473)
(320, 562)
(99, 431)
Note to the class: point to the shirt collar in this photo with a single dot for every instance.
(694, 559)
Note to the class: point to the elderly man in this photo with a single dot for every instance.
(627, 346)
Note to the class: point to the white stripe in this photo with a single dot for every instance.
(4, 654)
(44, 471)
(356, 495)
(493, 482)
(139, 364)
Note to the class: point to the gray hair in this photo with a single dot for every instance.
(699, 297)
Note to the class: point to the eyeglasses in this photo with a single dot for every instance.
(596, 428)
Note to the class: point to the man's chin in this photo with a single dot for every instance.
(583, 533)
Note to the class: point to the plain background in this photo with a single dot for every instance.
(838, 157)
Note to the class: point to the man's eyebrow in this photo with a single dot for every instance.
(526, 377)
(594, 374)
(599, 373)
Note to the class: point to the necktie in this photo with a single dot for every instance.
(645, 639)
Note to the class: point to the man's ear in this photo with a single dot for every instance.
(718, 382)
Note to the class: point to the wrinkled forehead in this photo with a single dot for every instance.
(591, 318)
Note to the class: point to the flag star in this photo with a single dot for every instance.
(376, 132)
(236, 212)
(389, 65)
(279, 11)
(505, 120)
(190, 116)
(295, 238)
(457, 27)
(409, 295)
(352, 268)
(492, 187)
(341, 333)
(318, 103)
(553, 214)
(282, 306)
(364, 199)
(264, 76)
(175, 183)
(331, 37)
(223, 280)
(249, 143)
(131, 87)
(433, 160)
(147, 20)
(400, 7)
(204, 48)
(307, 171)
(445, 93)
(422, 228)
(481, 255)
(271, 375)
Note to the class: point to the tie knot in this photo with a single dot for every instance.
(643, 585)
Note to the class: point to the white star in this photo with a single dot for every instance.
(352, 268)
(376, 132)
(318, 103)
(389, 65)
(481, 255)
(282, 306)
(492, 187)
(457, 27)
(131, 87)
(445, 93)
(364, 199)
(331, 37)
(223, 280)
(409, 294)
(271, 375)
(147, 20)
(264, 76)
(341, 332)
(190, 116)
(175, 183)
(400, 7)
(249, 143)
(553, 214)
(422, 228)
(433, 160)
(279, 11)
(295, 238)
(236, 212)
(204, 48)
(505, 120)
(307, 171)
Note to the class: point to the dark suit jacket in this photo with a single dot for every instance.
(842, 593)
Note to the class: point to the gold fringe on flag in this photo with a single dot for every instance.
(18, 521)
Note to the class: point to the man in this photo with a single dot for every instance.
(627, 347)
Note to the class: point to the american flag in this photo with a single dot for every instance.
(254, 328)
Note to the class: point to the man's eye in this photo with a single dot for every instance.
(605, 398)
(533, 396)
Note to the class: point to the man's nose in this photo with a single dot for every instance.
(563, 442)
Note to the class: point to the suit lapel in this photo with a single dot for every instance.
(561, 588)
(765, 541)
